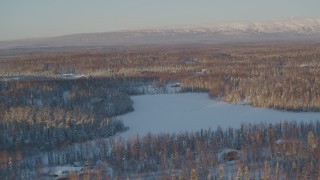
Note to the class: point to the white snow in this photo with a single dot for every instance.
(167, 113)
(71, 76)
(241, 31)
(61, 172)
(65, 96)
(280, 141)
(298, 25)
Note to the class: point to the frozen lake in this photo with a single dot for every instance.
(195, 111)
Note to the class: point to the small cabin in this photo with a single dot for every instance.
(229, 155)
(62, 172)
(176, 85)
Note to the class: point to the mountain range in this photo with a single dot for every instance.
(293, 29)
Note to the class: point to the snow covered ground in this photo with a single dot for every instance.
(71, 76)
(166, 113)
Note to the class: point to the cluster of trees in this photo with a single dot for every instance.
(81, 93)
(43, 128)
(280, 78)
(42, 115)
(284, 76)
(265, 151)
(287, 150)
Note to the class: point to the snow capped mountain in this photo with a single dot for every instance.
(293, 29)
(296, 25)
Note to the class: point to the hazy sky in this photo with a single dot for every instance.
(40, 18)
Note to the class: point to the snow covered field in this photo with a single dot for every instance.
(166, 113)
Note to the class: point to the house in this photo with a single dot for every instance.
(62, 172)
(229, 155)
(72, 76)
(176, 85)
(189, 60)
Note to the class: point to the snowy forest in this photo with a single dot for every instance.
(59, 107)
(281, 76)
(253, 151)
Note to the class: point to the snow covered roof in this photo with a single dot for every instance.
(61, 171)
(71, 76)
(281, 141)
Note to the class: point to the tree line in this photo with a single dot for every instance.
(279, 76)
(287, 150)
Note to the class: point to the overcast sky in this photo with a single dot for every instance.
(41, 18)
